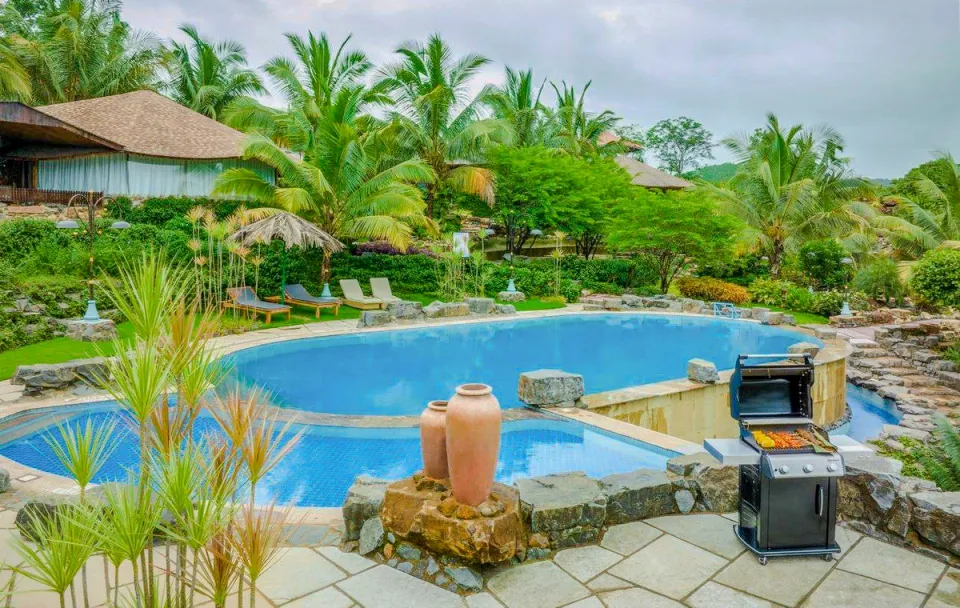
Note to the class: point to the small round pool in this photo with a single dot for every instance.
(394, 373)
(322, 466)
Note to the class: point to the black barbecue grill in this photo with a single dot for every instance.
(788, 497)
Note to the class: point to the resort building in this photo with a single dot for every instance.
(138, 144)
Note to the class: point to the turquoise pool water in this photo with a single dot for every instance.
(868, 413)
(322, 466)
(397, 372)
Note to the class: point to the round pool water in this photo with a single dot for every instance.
(321, 467)
(397, 372)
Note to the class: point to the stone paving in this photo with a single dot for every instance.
(666, 562)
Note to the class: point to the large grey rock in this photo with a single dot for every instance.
(773, 318)
(717, 486)
(405, 310)
(692, 306)
(569, 508)
(704, 372)
(90, 331)
(511, 296)
(505, 309)
(466, 578)
(35, 516)
(42, 377)
(637, 495)
(438, 310)
(804, 347)
(4, 480)
(631, 301)
(371, 536)
(376, 318)
(936, 518)
(869, 488)
(549, 387)
(825, 333)
(363, 501)
(481, 306)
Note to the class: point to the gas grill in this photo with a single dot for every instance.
(788, 466)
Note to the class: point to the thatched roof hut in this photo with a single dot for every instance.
(646, 176)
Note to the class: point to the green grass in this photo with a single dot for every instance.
(801, 317)
(59, 350)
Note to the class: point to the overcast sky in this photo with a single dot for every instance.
(886, 73)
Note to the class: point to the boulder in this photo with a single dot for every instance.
(90, 331)
(789, 319)
(804, 347)
(825, 333)
(42, 377)
(481, 306)
(405, 310)
(692, 306)
(869, 488)
(550, 387)
(372, 536)
(363, 501)
(704, 372)
(506, 309)
(426, 518)
(570, 508)
(511, 296)
(637, 495)
(437, 310)
(35, 516)
(716, 485)
(773, 318)
(936, 518)
(376, 318)
(4, 480)
(612, 304)
(631, 301)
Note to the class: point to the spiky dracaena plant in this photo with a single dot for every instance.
(942, 461)
(258, 535)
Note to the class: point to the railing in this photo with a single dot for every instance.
(9, 194)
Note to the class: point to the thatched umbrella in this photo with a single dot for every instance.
(293, 231)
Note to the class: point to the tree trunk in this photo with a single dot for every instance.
(776, 259)
(325, 268)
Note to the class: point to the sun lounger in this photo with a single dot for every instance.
(298, 295)
(244, 298)
(381, 290)
(353, 296)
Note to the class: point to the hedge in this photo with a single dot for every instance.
(936, 277)
(711, 290)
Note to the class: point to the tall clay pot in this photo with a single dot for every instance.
(473, 442)
(433, 440)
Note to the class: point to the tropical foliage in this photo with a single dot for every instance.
(681, 144)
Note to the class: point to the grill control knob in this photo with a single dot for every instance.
(784, 469)
(831, 467)
(808, 468)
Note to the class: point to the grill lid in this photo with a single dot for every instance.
(778, 388)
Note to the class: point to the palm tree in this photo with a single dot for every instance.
(437, 120)
(576, 130)
(309, 84)
(80, 49)
(793, 185)
(343, 184)
(208, 76)
(14, 79)
(939, 217)
(517, 102)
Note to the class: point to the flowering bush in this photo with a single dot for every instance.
(713, 290)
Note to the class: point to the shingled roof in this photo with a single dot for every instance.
(145, 122)
(648, 177)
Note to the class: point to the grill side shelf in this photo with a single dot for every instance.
(732, 451)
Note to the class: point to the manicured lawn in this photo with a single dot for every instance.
(801, 317)
(59, 350)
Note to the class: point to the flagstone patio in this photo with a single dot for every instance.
(666, 562)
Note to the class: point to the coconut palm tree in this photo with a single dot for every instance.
(14, 79)
(437, 120)
(517, 102)
(343, 184)
(576, 130)
(80, 49)
(939, 217)
(793, 185)
(208, 76)
(310, 84)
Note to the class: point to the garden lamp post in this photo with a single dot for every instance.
(92, 204)
(845, 310)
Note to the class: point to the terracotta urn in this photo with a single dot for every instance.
(473, 442)
(433, 440)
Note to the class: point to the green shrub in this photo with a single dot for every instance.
(712, 290)
(18, 238)
(770, 291)
(821, 261)
(826, 303)
(936, 277)
(880, 280)
(742, 270)
(799, 299)
(159, 211)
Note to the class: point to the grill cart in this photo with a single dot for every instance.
(788, 465)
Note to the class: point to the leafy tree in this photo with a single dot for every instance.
(208, 76)
(80, 49)
(822, 263)
(437, 120)
(517, 102)
(673, 230)
(936, 207)
(715, 174)
(936, 170)
(680, 144)
(793, 186)
(343, 184)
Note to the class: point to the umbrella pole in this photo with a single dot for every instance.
(283, 275)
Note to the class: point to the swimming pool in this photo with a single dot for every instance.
(868, 413)
(322, 466)
(397, 372)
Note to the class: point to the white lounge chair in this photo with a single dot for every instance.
(381, 290)
(353, 296)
